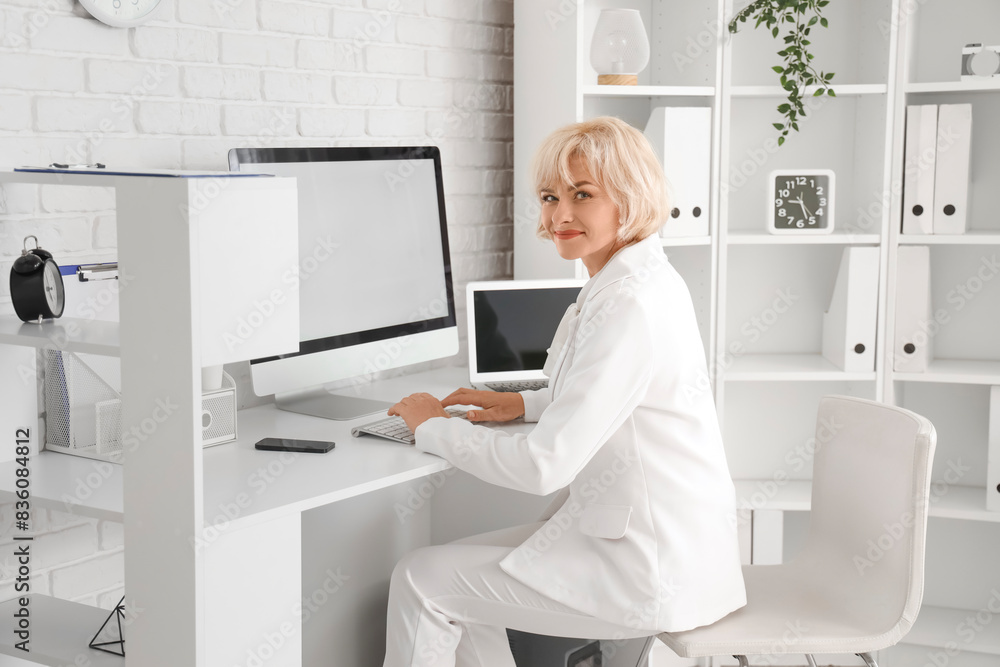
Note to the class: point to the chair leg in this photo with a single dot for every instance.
(811, 660)
(647, 647)
(869, 660)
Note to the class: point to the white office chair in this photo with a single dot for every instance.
(856, 586)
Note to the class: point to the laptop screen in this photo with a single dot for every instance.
(514, 325)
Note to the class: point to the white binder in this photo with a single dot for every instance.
(912, 349)
(850, 321)
(952, 168)
(682, 139)
(993, 453)
(918, 169)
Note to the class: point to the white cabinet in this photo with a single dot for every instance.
(761, 297)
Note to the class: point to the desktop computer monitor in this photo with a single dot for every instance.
(375, 287)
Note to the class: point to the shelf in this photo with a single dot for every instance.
(764, 237)
(788, 368)
(73, 484)
(839, 91)
(983, 86)
(759, 494)
(962, 502)
(66, 333)
(673, 241)
(85, 452)
(954, 502)
(969, 238)
(648, 91)
(936, 626)
(955, 371)
(60, 633)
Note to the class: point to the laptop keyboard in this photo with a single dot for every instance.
(394, 428)
(518, 385)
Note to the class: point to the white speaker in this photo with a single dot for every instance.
(218, 413)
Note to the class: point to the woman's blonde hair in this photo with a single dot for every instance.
(622, 162)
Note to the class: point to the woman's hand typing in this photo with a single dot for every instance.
(415, 409)
(496, 406)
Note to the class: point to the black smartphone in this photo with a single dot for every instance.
(293, 445)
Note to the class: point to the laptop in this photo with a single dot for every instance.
(511, 325)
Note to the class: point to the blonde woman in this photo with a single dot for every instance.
(644, 539)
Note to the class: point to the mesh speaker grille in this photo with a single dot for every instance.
(220, 419)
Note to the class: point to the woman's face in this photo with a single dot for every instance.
(581, 218)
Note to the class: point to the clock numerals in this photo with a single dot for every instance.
(802, 201)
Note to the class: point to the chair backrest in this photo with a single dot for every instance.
(870, 497)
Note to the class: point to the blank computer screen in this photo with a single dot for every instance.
(514, 328)
(370, 244)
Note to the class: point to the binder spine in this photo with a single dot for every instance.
(953, 165)
(919, 167)
(682, 139)
(993, 453)
(912, 348)
(850, 321)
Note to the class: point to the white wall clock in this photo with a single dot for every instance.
(121, 13)
(800, 201)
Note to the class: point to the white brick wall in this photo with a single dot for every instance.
(207, 76)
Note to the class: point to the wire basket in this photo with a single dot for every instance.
(74, 387)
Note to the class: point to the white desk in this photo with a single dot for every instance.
(258, 520)
(279, 483)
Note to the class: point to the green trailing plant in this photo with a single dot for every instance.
(795, 18)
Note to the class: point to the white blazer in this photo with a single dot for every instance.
(647, 535)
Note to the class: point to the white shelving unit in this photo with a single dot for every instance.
(766, 363)
(183, 294)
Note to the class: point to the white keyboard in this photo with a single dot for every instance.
(518, 385)
(394, 428)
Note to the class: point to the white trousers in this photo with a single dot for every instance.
(450, 605)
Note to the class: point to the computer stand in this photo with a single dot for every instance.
(325, 404)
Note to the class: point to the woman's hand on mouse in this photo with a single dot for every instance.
(415, 409)
(496, 406)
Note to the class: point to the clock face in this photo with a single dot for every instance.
(53, 284)
(801, 201)
(121, 13)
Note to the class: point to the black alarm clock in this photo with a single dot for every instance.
(36, 286)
